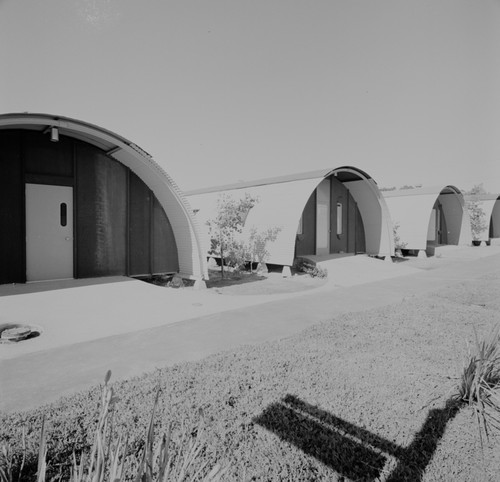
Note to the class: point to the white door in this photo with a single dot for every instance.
(49, 232)
(432, 226)
(323, 218)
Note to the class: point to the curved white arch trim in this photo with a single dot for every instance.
(192, 260)
(495, 219)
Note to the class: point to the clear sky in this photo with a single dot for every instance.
(226, 90)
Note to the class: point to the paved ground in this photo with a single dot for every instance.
(131, 327)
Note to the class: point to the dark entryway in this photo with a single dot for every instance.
(339, 220)
(119, 226)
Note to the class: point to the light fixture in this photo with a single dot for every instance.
(54, 134)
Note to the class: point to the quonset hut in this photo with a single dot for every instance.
(427, 217)
(78, 201)
(319, 213)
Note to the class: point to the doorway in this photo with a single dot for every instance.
(49, 232)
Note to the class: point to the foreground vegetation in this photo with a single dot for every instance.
(366, 396)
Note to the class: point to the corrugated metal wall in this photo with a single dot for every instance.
(164, 257)
(140, 222)
(101, 214)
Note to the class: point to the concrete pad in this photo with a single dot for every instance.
(355, 270)
(81, 311)
(122, 305)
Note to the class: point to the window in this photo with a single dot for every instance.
(64, 214)
(339, 219)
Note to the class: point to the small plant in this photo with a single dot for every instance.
(7, 458)
(480, 382)
(6, 464)
(111, 458)
(398, 244)
(310, 269)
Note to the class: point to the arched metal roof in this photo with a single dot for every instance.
(192, 260)
(281, 201)
(411, 209)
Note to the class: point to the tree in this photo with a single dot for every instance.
(477, 216)
(257, 244)
(225, 227)
(476, 190)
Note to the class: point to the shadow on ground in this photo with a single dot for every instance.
(231, 279)
(352, 451)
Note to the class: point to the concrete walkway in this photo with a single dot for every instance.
(131, 327)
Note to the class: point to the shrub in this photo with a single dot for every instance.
(480, 381)
(310, 269)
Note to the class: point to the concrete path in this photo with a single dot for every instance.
(74, 311)
(131, 327)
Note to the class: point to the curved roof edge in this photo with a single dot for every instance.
(192, 262)
(320, 173)
(421, 191)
